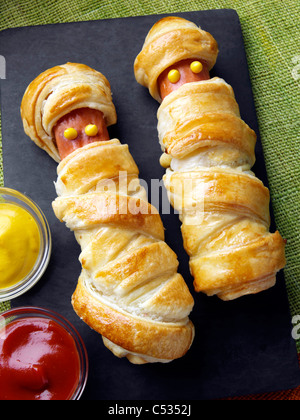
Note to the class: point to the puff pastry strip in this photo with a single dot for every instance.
(208, 155)
(129, 289)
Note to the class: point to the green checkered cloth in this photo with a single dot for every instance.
(271, 36)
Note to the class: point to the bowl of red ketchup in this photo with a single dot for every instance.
(42, 356)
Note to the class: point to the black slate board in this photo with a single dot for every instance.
(244, 346)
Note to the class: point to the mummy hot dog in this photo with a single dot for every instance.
(129, 289)
(206, 143)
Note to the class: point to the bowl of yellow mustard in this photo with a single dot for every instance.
(25, 244)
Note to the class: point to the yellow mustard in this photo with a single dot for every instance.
(19, 244)
(91, 130)
(174, 76)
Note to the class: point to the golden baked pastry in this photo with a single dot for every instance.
(208, 153)
(58, 91)
(129, 289)
(170, 40)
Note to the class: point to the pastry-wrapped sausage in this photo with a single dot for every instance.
(129, 289)
(209, 148)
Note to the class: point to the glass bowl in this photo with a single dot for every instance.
(30, 312)
(11, 196)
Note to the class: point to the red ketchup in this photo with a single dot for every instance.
(38, 361)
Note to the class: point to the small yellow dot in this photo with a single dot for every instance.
(196, 67)
(91, 130)
(165, 160)
(173, 76)
(70, 134)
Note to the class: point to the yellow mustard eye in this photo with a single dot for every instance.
(91, 130)
(70, 134)
(173, 76)
(196, 66)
